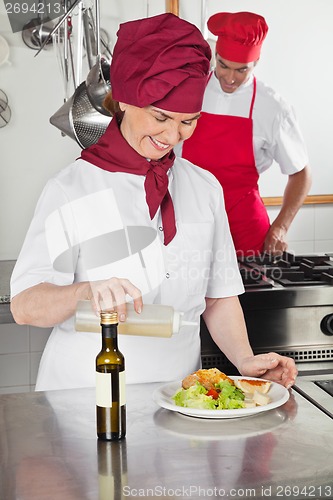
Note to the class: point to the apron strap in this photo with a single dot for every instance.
(253, 96)
(209, 77)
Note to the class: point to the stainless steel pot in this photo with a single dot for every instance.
(36, 33)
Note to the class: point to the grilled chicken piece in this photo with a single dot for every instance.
(207, 378)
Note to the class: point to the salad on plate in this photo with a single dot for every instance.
(213, 390)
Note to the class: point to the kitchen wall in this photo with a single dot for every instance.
(294, 59)
(311, 231)
(21, 348)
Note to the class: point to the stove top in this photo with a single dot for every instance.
(326, 385)
(288, 270)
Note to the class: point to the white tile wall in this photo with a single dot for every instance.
(312, 229)
(14, 369)
(323, 222)
(301, 247)
(323, 246)
(14, 339)
(301, 233)
(38, 338)
(34, 364)
(20, 350)
(323, 237)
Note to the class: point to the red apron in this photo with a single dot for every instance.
(223, 145)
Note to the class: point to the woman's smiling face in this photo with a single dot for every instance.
(153, 132)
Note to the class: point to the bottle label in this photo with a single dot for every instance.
(104, 389)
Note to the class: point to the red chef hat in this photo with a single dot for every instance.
(240, 35)
(161, 60)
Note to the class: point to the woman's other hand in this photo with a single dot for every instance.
(271, 366)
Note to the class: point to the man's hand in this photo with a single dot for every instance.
(275, 242)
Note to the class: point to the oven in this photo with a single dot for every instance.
(288, 308)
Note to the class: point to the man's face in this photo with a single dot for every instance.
(232, 74)
(153, 132)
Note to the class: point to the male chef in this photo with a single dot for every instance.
(244, 126)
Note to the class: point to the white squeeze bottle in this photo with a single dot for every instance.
(154, 321)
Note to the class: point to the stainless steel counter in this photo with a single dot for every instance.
(48, 449)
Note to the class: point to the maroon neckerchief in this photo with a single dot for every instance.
(113, 153)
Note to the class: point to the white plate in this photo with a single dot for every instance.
(163, 397)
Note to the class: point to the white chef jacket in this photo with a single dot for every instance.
(91, 224)
(276, 133)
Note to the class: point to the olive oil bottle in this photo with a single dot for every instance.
(110, 382)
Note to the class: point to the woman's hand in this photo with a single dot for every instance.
(47, 305)
(271, 366)
(111, 295)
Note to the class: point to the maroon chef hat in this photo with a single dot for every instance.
(161, 60)
(240, 35)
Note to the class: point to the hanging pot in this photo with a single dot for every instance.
(36, 33)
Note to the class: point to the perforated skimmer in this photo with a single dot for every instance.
(79, 119)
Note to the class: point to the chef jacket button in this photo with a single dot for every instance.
(160, 228)
(167, 275)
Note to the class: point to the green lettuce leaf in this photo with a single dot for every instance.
(195, 396)
(230, 396)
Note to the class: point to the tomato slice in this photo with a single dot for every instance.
(213, 393)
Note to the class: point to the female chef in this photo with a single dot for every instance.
(128, 221)
(244, 126)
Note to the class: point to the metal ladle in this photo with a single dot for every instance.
(98, 84)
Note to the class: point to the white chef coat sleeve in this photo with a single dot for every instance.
(47, 230)
(289, 148)
(224, 279)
